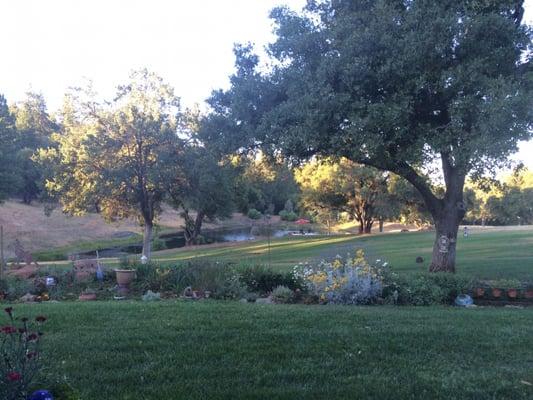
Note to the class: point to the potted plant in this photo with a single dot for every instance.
(528, 293)
(124, 276)
(479, 290)
(510, 286)
(87, 295)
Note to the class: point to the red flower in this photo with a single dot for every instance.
(32, 337)
(31, 355)
(14, 376)
(8, 329)
(40, 318)
(9, 310)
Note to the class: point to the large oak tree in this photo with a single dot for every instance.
(393, 84)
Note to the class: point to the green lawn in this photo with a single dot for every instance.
(229, 350)
(484, 254)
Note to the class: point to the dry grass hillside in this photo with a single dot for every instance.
(36, 231)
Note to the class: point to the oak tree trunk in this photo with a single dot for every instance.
(368, 226)
(147, 239)
(444, 248)
(193, 228)
(361, 226)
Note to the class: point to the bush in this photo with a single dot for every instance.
(263, 280)
(424, 289)
(156, 278)
(345, 281)
(289, 206)
(282, 295)
(254, 214)
(288, 215)
(229, 287)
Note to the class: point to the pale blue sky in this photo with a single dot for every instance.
(50, 45)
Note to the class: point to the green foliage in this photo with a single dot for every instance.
(264, 183)
(288, 215)
(354, 79)
(118, 158)
(264, 280)
(282, 295)
(254, 214)
(424, 289)
(34, 130)
(8, 177)
(330, 187)
(21, 354)
(207, 189)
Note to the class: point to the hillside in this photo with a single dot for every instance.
(36, 231)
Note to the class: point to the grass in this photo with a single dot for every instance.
(222, 350)
(490, 254)
(484, 254)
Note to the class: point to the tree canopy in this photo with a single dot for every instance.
(391, 84)
(117, 158)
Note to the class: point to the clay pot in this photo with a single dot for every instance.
(124, 276)
(512, 293)
(87, 297)
(528, 294)
(479, 292)
(496, 293)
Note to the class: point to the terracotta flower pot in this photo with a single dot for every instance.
(479, 292)
(512, 293)
(87, 297)
(496, 293)
(124, 276)
(529, 294)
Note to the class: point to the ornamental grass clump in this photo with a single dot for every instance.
(20, 355)
(345, 280)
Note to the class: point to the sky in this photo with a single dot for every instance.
(51, 45)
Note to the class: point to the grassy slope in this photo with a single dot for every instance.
(484, 254)
(221, 350)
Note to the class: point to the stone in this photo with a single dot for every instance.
(151, 296)
(28, 298)
(264, 300)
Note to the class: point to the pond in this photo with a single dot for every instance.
(176, 239)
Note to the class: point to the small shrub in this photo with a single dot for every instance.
(288, 216)
(282, 295)
(345, 281)
(230, 288)
(424, 288)
(151, 296)
(154, 277)
(263, 280)
(254, 214)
